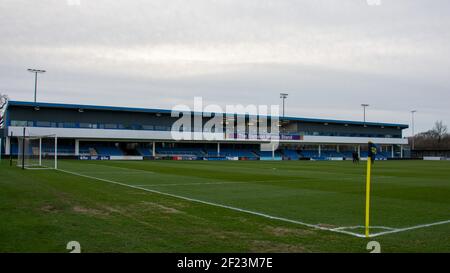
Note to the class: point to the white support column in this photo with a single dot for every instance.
(7, 146)
(338, 148)
(154, 149)
(320, 150)
(40, 151)
(273, 151)
(359, 151)
(392, 150)
(218, 149)
(401, 151)
(77, 147)
(56, 152)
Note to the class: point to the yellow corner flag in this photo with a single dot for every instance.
(372, 153)
(368, 178)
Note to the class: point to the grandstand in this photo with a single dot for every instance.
(103, 132)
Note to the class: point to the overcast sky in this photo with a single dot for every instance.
(329, 55)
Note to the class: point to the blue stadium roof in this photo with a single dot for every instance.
(165, 111)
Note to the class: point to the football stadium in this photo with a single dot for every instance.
(122, 165)
(224, 135)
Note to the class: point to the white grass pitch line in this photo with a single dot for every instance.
(115, 172)
(217, 205)
(212, 183)
(356, 227)
(187, 184)
(397, 230)
(121, 168)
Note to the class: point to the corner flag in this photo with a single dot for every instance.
(372, 152)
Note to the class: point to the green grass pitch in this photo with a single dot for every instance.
(206, 206)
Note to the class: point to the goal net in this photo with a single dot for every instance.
(37, 152)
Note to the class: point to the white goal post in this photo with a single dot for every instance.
(37, 152)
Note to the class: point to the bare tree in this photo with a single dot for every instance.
(3, 101)
(439, 130)
(436, 138)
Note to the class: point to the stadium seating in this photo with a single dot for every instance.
(108, 151)
(234, 153)
(335, 154)
(14, 148)
(309, 154)
(62, 149)
(347, 154)
(144, 151)
(66, 150)
(332, 153)
(268, 155)
(180, 151)
(48, 149)
(84, 150)
(291, 154)
(384, 155)
(99, 149)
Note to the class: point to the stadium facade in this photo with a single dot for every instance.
(103, 132)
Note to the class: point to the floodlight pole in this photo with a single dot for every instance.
(413, 128)
(35, 71)
(364, 105)
(283, 96)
